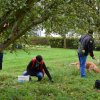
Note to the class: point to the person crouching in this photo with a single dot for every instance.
(37, 67)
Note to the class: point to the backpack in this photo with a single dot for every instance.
(85, 42)
(97, 84)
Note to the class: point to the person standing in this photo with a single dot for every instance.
(86, 46)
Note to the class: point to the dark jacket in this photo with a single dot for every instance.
(35, 67)
(86, 43)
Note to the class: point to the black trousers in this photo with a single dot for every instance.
(1, 60)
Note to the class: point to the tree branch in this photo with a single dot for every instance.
(45, 16)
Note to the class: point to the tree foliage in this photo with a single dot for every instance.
(76, 14)
(17, 17)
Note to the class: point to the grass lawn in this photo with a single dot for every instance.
(68, 85)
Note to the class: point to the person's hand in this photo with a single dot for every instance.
(93, 57)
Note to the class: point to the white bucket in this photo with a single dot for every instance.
(23, 78)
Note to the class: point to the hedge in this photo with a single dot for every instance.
(39, 41)
(54, 42)
(58, 42)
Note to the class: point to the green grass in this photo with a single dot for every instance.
(68, 85)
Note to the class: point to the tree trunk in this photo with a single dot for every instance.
(64, 45)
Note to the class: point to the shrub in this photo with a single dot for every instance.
(39, 41)
(59, 42)
(72, 43)
(56, 42)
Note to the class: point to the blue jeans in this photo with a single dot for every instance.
(38, 74)
(82, 61)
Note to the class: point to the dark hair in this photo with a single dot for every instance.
(90, 31)
(39, 58)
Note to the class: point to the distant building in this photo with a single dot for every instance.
(41, 33)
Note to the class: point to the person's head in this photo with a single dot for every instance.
(90, 32)
(39, 58)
